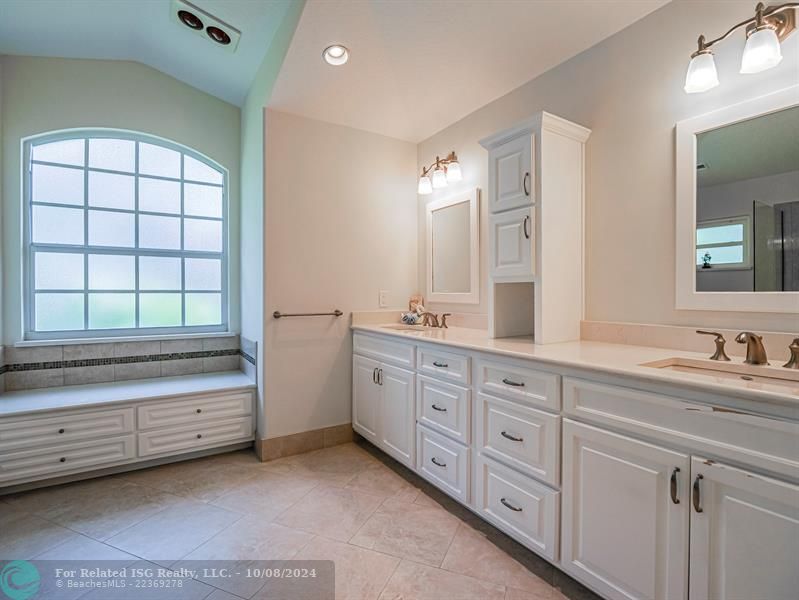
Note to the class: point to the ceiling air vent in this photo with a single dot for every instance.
(204, 24)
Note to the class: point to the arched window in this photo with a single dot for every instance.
(125, 234)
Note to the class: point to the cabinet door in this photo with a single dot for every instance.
(511, 239)
(625, 515)
(511, 174)
(365, 397)
(398, 414)
(745, 540)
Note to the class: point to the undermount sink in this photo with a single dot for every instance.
(761, 377)
(413, 329)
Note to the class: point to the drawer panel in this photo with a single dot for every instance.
(444, 407)
(526, 510)
(29, 465)
(194, 410)
(520, 436)
(382, 349)
(717, 431)
(443, 462)
(190, 437)
(518, 382)
(439, 363)
(63, 428)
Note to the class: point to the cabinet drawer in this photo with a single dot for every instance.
(194, 410)
(63, 428)
(383, 349)
(444, 407)
(189, 437)
(520, 383)
(522, 437)
(443, 462)
(526, 510)
(29, 465)
(445, 365)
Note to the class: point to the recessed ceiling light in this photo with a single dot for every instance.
(219, 36)
(336, 55)
(190, 19)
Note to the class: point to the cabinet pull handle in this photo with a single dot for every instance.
(380, 377)
(525, 183)
(673, 485)
(507, 381)
(524, 225)
(438, 408)
(440, 365)
(62, 459)
(510, 437)
(199, 435)
(374, 376)
(436, 463)
(61, 431)
(697, 494)
(510, 506)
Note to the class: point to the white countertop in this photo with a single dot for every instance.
(614, 359)
(99, 394)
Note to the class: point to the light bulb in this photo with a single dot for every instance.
(439, 178)
(425, 187)
(701, 75)
(454, 172)
(336, 55)
(762, 51)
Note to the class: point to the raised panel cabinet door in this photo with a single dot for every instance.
(744, 534)
(511, 240)
(398, 414)
(625, 515)
(366, 394)
(511, 174)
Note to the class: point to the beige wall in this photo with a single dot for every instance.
(340, 223)
(628, 90)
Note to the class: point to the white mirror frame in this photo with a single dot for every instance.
(687, 298)
(473, 295)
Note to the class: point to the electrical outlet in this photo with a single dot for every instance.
(382, 297)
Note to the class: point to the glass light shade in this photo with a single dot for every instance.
(762, 51)
(454, 172)
(701, 75)
(439, 178)
(425, 186)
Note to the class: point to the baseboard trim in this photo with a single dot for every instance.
(306, 441)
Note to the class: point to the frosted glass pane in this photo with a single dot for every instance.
(159, 310)
(58, 312)
(55, 225)
(66, 152)
(111, 191)
(159, 273)
(117, 155)
(112, 311)
(723, 255)
(111, 229)
(159, 232)
(203, 274)
(159, 195)
(720, 234)
(112, 272)
(202, 200)
(203, 309)
(59, 185)
(157, 160)
(58, 271)
(202, 235)
(194, 170)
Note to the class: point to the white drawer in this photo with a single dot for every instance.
(383, 349)
(194, 410)
(445, 365)
(40, 463)
(444, 407)
(520, 383)
(29, 432)
(190, 437)
(526, 510)
(443, 462)
(523, 437)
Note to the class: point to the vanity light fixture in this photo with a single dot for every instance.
(443, 170)
(764, 32)
(336, 55)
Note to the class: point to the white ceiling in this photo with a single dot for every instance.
(141, 30)
(418, 66)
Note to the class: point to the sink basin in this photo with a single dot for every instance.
(760, 377)
(403, 327)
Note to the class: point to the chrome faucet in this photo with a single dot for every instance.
(755, 352)
(719, 354)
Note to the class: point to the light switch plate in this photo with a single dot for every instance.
(382, 298)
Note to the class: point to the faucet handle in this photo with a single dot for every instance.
(719, 354)
(793, 362)
(444, 320)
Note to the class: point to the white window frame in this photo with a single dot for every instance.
(746, 243)
(28, 312)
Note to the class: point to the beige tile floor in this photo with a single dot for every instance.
(390, 534)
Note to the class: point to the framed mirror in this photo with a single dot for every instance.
(737, 228)
(453, 257)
